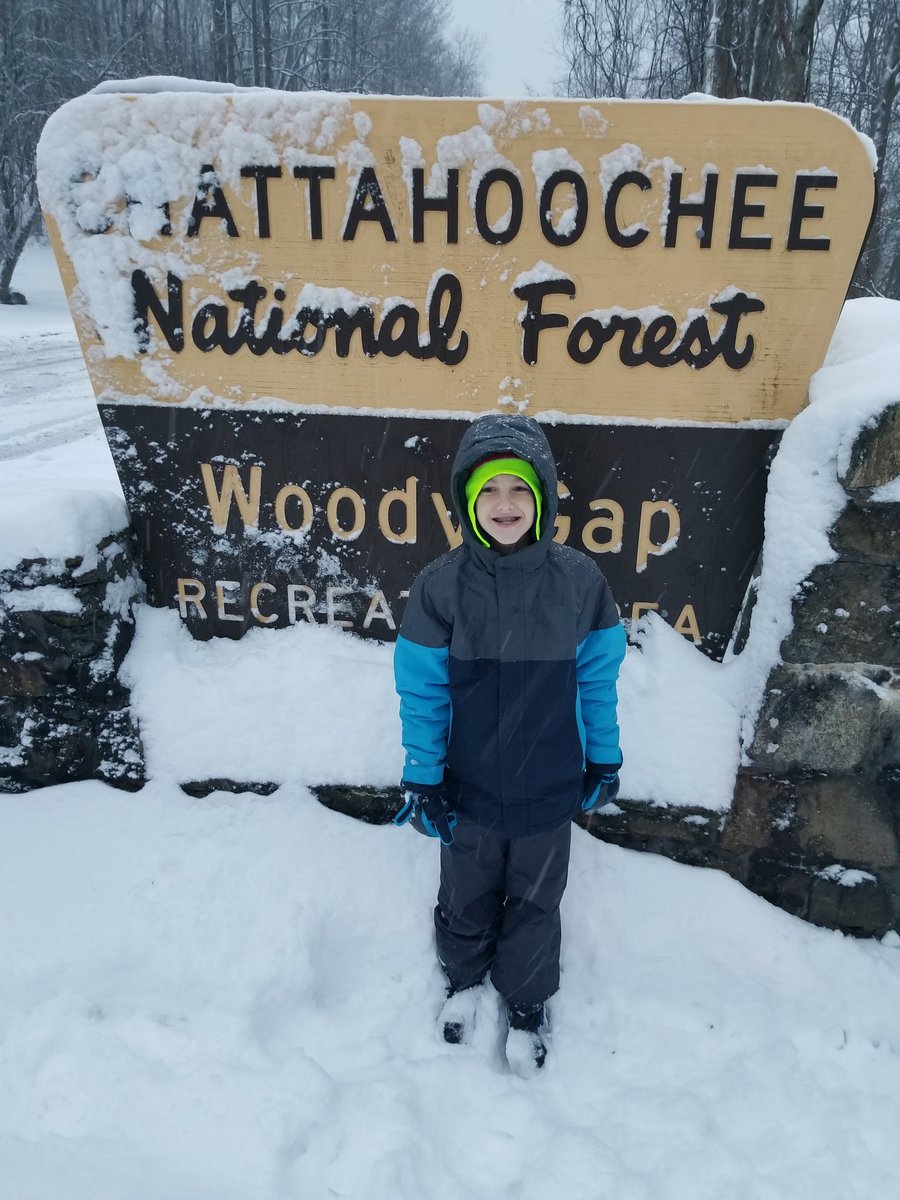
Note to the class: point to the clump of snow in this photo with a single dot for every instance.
(514, 119)
(846, 876)
(889, 493)
(545, 163)
(306, 704)
(474, 146)
(46, 598)
(541, 272)
(90, 156)
(686, 704)
(627, 157)
(150, 84)
(58, 524)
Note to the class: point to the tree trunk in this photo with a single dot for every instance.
(763, 50)
(887, 96)
(266, 42)
(220, 35)
(12, 250)
(256, 73)
(727, 73)
(880, 269)
(797, 36)
(326, 51)
(710, 49)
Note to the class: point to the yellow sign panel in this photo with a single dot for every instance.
(650, 260)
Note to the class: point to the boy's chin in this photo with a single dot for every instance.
(524, 539)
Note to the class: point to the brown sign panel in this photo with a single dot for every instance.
(246, 522)
(289, 304)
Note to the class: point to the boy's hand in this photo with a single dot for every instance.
(428, 811)
(601, 785)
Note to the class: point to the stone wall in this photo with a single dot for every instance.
(65, 628)
(815, 820)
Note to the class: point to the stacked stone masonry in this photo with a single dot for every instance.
(815, 820)
(65, 629)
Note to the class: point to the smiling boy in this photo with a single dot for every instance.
(505, 506)
(506, 667)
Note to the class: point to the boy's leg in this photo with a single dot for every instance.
(470, 904)
(526, 964)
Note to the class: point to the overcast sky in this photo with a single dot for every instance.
(517, 39)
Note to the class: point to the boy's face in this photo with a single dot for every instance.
(505, 509)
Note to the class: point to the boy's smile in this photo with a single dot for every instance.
(505, 509)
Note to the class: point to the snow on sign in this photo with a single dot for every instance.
(289, 304)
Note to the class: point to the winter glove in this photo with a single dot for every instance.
(601, 785)
(428, 811)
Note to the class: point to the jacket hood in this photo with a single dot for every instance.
(512, 436)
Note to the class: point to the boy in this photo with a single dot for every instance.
(506, 667)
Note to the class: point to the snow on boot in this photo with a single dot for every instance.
(456, 1024)
(527, 1040)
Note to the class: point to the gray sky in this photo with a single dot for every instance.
(517, 38)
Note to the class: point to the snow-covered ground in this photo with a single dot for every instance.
(233, 998)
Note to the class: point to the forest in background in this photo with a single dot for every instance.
(841, 54)
(52, 50)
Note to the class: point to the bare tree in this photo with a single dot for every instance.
(783, 49)
(855, 73)
(603, 40)
(395, 46)
(222, 39)
(842, 54)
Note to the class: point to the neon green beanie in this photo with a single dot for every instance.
(502, 466)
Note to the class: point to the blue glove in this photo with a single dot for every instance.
(601, 785)
(428, 811)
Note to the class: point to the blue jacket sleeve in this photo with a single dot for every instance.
(597, 664)
(422, 679)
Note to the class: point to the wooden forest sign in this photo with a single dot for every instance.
(248, 268)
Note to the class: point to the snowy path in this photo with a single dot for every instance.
(234, 998)
(50, 432)
(45, 395)
(42, 382)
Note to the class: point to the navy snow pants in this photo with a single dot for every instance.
(498, 911)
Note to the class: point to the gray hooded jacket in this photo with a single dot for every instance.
(506, 664)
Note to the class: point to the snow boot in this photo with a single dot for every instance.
(456, 1024)
(528, 1039)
